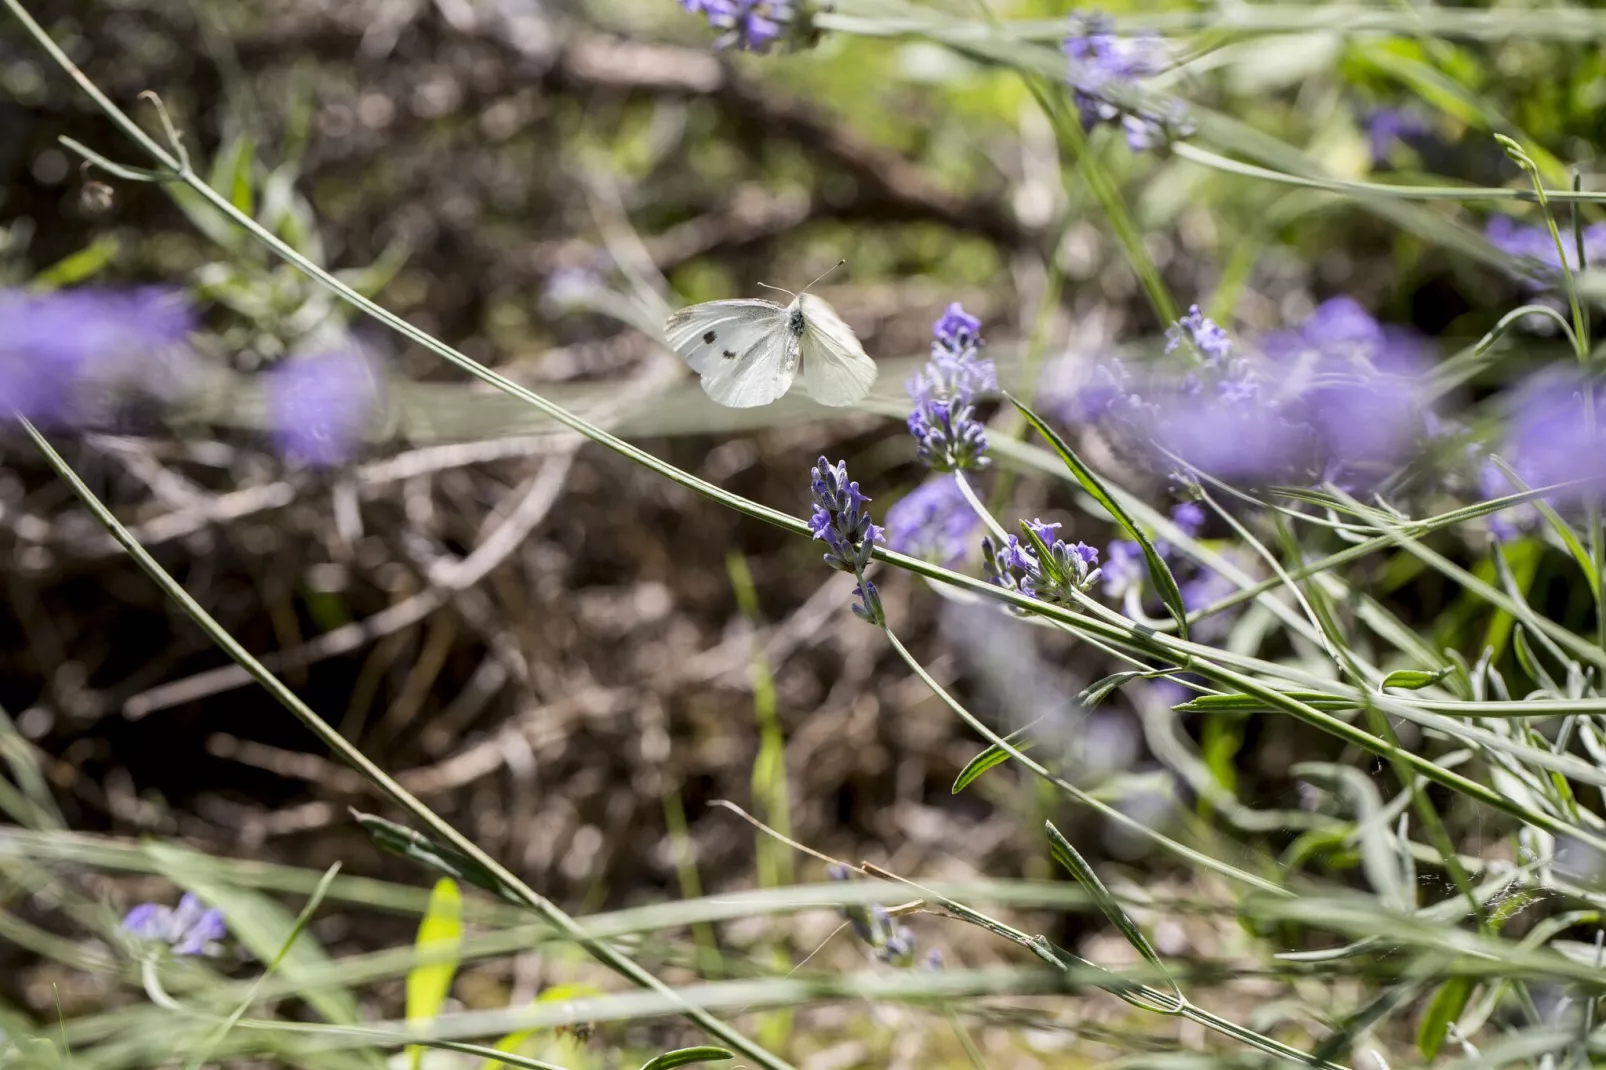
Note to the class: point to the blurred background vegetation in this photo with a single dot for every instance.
(567, 657)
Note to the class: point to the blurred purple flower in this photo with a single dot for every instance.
(1551, 437)
(1212, 342)
(1189, 517)
(1124, 567)
(749, 25)
(56, 346)
(934, 521)
(189, 929)
(1102, 66)
(1535, 245)
(1387, 126)
(1511, 522)
(319, 405)
(1205, 588)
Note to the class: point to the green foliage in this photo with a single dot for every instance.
(1393, 831)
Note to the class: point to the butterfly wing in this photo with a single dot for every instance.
(836, 370)
(742, 349)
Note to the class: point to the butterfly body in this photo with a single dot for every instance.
(748, 351)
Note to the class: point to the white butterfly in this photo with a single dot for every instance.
(747, 351)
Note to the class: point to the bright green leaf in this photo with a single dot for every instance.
(429, 981)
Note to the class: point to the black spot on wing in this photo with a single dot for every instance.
(708, 337)
(730, 354)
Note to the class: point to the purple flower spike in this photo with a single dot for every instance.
(191, 928)
(842, 522)
(56, 348)
(948, 437)
(319, 406)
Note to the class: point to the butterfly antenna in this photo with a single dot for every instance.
(782, 289)
(823, 274)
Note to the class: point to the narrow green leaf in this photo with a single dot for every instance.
(231, 172)
(1443, 1009)
(401, 840)
(989, 757)
(684, 1057)
(1067, 856)
(1250, 703)
(76, 267)
(1099, 690)
(1531, 664)
(428, 983)
(1159, 572)
(1414, 679)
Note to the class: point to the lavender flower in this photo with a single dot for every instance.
(189, 929)
(1103, 67)
(1387, 127)
(749, 25)
(1043, 565)
(56, 348)
(842, 522)
(934, 521)
(948, 437)
(319, 405)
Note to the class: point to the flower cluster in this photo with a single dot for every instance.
(1104, 66)
(934, 521)
(1043, 566)
(189, 929)
(75, 357)
(1536, 246)
(948, 437)
(319, 404)
(842, 522)
(1333, 398)
(750, 25)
